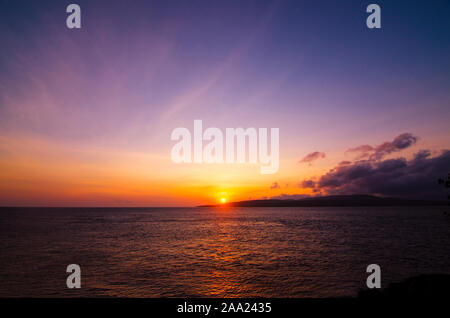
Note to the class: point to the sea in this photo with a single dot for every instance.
(218, 251)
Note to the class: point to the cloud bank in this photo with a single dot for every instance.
(415, 178)
(398, 177)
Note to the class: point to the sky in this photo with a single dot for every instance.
(86, 114)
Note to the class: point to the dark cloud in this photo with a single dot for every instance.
(400, 142)
(275, 185)
(308, 184)
(392, 177)
(312, 157)
(422, 154)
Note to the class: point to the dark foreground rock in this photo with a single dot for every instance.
(422, 286)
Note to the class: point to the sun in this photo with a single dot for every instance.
(223, 200)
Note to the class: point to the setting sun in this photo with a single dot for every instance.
(223, 200)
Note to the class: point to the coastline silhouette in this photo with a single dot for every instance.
(334, 201)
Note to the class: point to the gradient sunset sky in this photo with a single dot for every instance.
(86, 115)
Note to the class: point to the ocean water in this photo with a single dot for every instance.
(217, 252)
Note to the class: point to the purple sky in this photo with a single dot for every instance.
(83, 109)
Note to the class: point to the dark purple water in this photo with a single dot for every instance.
(234, 252)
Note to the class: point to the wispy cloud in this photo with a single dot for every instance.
(313, 156)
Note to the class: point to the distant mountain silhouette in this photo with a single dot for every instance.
(333, 200)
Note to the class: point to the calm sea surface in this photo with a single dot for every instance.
(233, 252)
